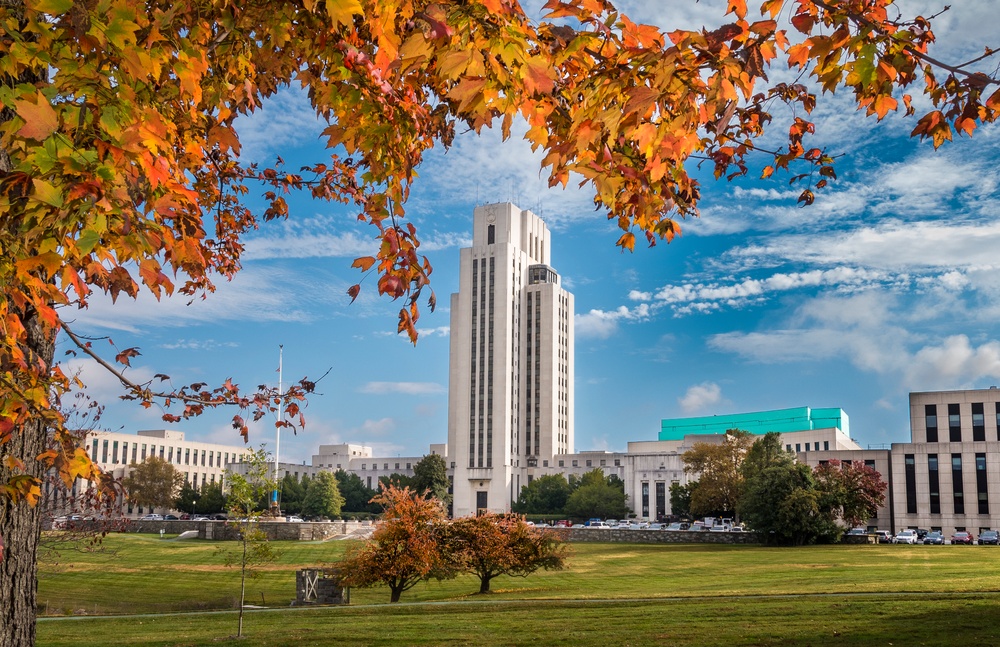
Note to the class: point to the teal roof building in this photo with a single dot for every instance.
(757, 422)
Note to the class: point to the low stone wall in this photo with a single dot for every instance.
(274, 530)
(613, 535)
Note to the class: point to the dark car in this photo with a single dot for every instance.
(921, 533)
(962, 537)
(989, 537)
(170, 517)
(934, 538)
(884, 536)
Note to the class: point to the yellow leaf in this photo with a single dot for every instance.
(45, 192)
(342, 12)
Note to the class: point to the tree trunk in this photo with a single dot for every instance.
(20, 524)
(396, 591)
(484, 584)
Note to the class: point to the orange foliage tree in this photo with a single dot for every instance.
(493, 544)
(405, 548)
(120, 167)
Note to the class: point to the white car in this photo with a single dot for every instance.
(905, 537)
(294, 519)
(152, 517)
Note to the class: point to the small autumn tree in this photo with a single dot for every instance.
(247, 490)
(153, 483)
(122, 172)
(493, 544)
(406, 547)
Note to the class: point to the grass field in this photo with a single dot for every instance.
(621, 594)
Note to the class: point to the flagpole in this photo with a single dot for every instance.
(277, 441)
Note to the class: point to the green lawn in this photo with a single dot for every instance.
(621, 594)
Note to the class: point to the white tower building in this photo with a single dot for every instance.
(510, 398)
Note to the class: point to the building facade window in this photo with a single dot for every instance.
(930, 420)
(933, 484)
(954, 423)
(956, 480)
(645, 499)
(661, 499)
(911, 483)
(978, 422)
(982, 493)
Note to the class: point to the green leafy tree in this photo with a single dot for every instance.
(493, 544)
(765, 452)
(357, 496)
(153, 483)
(292, 494)
(544, 495)
(323, 498)
(187, 499)
(243, 506)
(398, 481)
(212, 499)
(406, 547)
(680, 498)
(596, 497)
(781, 505)
(430, 476)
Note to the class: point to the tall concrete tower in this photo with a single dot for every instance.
(510, 392)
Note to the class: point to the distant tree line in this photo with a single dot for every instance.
(579, 497)
(759, 482)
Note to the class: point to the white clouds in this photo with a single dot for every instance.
(602, 324)
(286, 120)
(701, 397)
(953, 363)
(256, 293)
(375, 428)
(407, 388)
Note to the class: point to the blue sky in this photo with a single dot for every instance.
(887, 284)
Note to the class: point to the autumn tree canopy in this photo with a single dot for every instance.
(717, 469)
(405, 548)
(493, 544)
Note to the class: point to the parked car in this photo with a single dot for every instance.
(151, 517)
(597, 524)
(297, 519)
(989, 537)
(921, 533)
(170, 517)
(656, 526)
(199, 517)
(934, 538)
(962, 537)
(883, 536)
(857, 531)
(908, 536)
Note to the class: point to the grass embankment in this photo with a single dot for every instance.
(631, 589)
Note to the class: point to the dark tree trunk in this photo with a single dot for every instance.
(20, 523)
(484, 583)
(396, 592)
